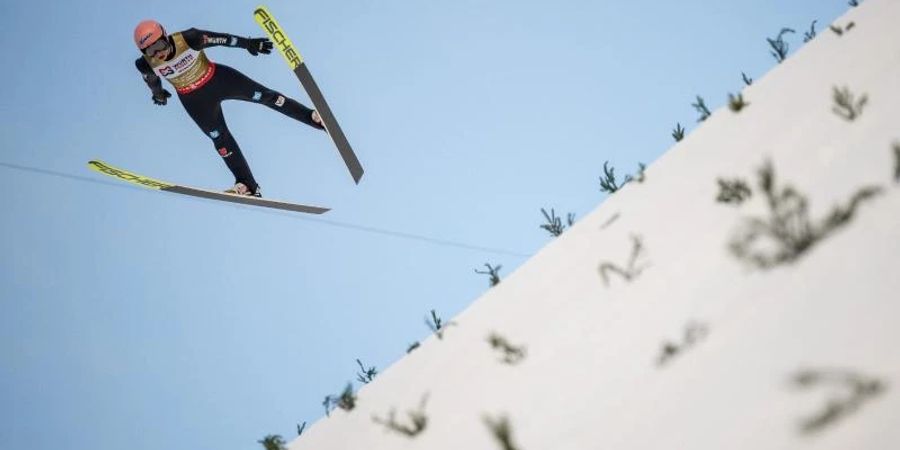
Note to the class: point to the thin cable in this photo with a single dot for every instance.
(350, 226)
(71, 177)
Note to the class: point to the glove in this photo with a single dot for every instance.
(160, 97)
(259, 45)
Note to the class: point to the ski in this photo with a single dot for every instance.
(150, 183)
(267, 21)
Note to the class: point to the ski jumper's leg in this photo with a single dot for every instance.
(204, 106)
(242, 87)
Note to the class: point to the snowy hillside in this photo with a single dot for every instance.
(667, 319)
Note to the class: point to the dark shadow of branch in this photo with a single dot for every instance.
(896, 147)
(416, 425)
(849, 391)
(610, 221)
(788, 232)
(694, 332)
(501, 430)
(512, 354)
(733, 191)
(632, 270)
(846, 105)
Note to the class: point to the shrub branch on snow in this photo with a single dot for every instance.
(811, 34)
(678, 132)
(417, 421)
(436, 325)
(733, 191)
(511, 354)
(840, 31)
(300, 429)
(554, 224)
(853, 3)
(846, 105)
(412, 347)
(694, 332)
(631, 270)
(640, 178)
(788, 232)
(492, 272)
(848, 392)
(736, 103)
(366, 375)
(273, 442)
(701, 108)
(779, 47)
(345, 401)
(501, 430)
(608, 181)
(747, 80)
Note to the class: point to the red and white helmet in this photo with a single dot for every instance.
(147, 32)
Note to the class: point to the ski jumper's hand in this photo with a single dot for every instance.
(259, 45)
(160, 97)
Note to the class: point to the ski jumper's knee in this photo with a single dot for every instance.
(223, 141)
(269, 98)
(285, 105)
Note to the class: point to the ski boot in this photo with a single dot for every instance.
(242, 189)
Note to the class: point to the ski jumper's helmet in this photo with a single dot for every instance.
(147, 32)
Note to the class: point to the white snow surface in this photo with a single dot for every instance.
(590, 379)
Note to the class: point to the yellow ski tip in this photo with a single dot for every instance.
(267, 21)
(124, 175)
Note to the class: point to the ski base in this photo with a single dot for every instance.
(267, 21)
(150, 183)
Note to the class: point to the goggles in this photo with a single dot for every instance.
(158, 46)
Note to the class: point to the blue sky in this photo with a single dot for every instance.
(136, 319)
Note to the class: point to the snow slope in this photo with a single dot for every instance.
(592, 377)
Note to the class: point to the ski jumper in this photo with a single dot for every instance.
(203, 85)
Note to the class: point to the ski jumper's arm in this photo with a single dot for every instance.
(152, 80)
(200, 39)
